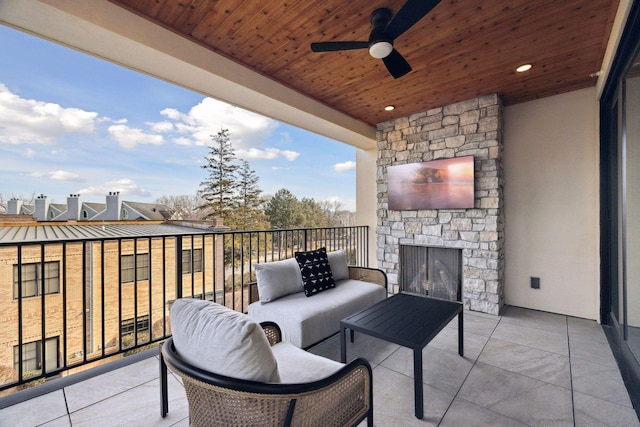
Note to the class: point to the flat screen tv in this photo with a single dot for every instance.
(438, 184)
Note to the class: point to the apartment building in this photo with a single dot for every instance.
(73, 291)
(114, 209)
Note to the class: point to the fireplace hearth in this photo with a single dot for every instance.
(431, 271)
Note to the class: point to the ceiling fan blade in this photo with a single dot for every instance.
(333, 46)
(396, 64)
(408, 15)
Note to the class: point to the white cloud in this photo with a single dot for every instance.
(125, 186)
(209, 116)
(61, 175)
(285, 138)
(58, 175)
(161, 127)
(333, 199)
(29, 153)
(266, 154)
(290, 155)
(130, 137)
(32, 121)
(343, 167)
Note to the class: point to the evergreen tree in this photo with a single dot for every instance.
(312, 213)
(283, 210)
(220, 187)
(249, 214)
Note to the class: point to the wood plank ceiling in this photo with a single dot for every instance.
(460, 50)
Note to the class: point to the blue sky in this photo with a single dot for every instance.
(72, 123)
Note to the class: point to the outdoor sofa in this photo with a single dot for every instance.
(306, 317)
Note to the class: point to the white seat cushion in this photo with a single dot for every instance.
(305, 321)
(223, 341)
(298, 366)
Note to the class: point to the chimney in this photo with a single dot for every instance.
(73, 207)
(13, 206)
(42, 208)
(114, 206)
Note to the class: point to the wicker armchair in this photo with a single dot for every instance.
(344, 398)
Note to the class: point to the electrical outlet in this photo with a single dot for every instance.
(535, 283)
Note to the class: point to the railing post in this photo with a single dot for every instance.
(304, 239)
(178, 267)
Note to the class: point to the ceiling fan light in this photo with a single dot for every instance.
(380, 49)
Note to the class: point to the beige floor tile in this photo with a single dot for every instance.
(36, 411)
(542, 365)
(516, 396)
(601, 381)
(463, 413)
(594, 412)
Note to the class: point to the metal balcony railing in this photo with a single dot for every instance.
(71, 304)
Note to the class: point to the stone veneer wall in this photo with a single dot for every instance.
(471, 127)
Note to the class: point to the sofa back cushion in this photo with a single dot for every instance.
(223, 341)
(338, 263)
(277, 279)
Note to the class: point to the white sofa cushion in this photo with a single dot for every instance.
(223, 341)
(278, 278)
(298, 366)
(305, 321)
(338, 263)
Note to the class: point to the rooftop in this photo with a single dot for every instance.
(108, 230)
(523, 368)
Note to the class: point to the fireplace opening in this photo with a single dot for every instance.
(431, 271)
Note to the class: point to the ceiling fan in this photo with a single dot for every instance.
(385, 31)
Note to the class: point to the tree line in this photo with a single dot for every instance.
(231, 192)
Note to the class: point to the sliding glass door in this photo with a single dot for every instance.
(630, 248)
(620, 204)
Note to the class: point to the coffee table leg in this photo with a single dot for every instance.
(417, 382)
(460, 335)
(343, 345)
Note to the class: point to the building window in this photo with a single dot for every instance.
(125, 214)
(127, 268)
(32, 356)
(32, 279)
(128, 326)
(191, 261)
(52, 214)
(85, 214)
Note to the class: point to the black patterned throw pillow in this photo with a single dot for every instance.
(316, 271)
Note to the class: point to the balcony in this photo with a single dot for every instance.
(522, 368)
(112, 296)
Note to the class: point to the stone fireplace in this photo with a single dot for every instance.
(471, 127)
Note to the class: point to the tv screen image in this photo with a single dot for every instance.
(438, 184)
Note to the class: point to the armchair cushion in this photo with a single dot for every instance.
(277, 279)
(316, 271)
(223, 341)
(299, 366)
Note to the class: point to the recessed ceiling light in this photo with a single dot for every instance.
(523, 68)
(389, 108)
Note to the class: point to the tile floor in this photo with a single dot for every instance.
(525, 368)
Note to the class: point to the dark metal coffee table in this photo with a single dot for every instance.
(408, 320)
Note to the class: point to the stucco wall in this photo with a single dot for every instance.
(551, 204)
